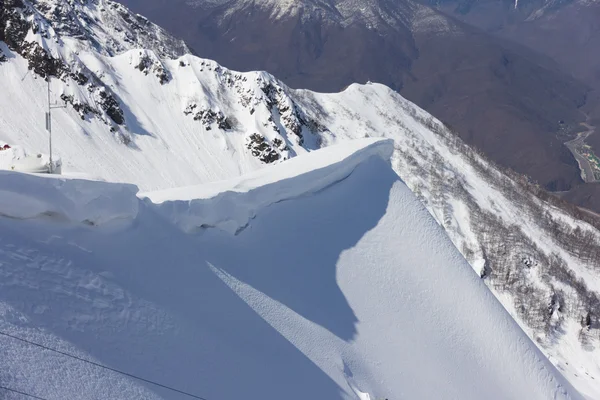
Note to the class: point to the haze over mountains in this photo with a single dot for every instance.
(500, 96)
(141, 110)
(566, 31)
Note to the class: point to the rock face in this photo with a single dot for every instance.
(263, 150)
(148, 62)
(501, 98)
(36, 30)
(206, 123)
(52, 35)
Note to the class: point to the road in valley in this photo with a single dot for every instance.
(584, 163)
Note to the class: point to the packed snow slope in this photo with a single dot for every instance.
(339, 286)
(142, 111)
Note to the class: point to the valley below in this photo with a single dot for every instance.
(588, 161)
(211, 226)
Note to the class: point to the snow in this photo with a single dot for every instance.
(25, 196)
(373, 110)
(169, 149)
(231, 204)
(342, 286)
(103, 22)
(18, 159)
(160, 148)
(371, 13)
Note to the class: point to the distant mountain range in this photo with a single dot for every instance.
(142, 110)
(506, 99)
(567, 31)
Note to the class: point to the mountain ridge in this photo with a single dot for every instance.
(200, 310)
(459, 73)
(189, 120)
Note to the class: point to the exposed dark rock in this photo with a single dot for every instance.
(500, 97)
(586, 322)
(277, 99)
(83, 109)
(42, 63)
(111, 106)
(280, 144)
(80, 78)
(147, 65)
(224, 124)
(270, 93)
(13, 25)
(208, 117)
(261, 149)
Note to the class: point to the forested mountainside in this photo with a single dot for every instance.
(160, 118)
(501, 97)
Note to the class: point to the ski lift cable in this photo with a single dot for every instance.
(100, 366)
(21, 393)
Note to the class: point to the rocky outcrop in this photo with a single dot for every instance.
(16, 20)
(13, 24)
(283, 105)
(458, 73)
(48, 20)
(83, 109)
(261, 149)
(208, 117)
(110, 105)
(149, 63)
(35, 31)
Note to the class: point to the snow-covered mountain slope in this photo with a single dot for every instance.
(340, 286)
(160, 123)
(63, 26)
(375, 13)
(456, 72)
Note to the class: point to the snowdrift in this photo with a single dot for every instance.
(24, 196)
(229, 205)
(17, 159)
(341, 286)
(142, 110)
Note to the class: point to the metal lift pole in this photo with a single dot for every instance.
(49, 125)
(49, 122)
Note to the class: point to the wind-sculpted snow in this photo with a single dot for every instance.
(67, 200)
(158, 119)
(230, 205)
(351, 290)
(157, 123)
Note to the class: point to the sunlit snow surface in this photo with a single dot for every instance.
(340, 286)
(160, 147)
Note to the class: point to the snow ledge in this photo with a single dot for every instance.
(230, 205)
(26, 196)
(227, 205)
